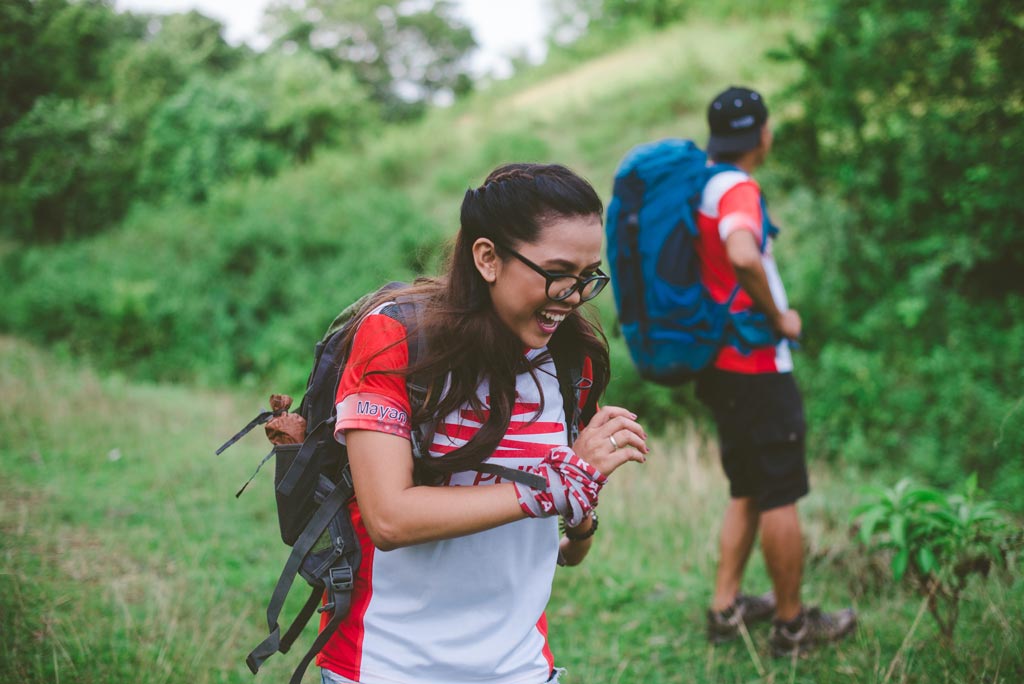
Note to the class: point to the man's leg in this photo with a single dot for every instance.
(796, 628)
(739, 529)
(783, 548)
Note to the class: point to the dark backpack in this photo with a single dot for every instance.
(313, 484)
(671, 324)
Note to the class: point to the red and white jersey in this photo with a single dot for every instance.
(469, 609)
(732, 201)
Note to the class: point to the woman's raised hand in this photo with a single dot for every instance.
(612, 438)
(573, 486)
(575, 476)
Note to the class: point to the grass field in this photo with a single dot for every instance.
(125, 557)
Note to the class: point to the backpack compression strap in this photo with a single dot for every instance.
(263, 417)
(336, 573)
(331, 506)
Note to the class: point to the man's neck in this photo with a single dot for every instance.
(749, 162)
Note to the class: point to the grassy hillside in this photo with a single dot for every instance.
(124, 552)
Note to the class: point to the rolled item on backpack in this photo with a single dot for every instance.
(286, 428)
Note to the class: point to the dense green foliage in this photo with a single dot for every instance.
(123, 549)
(909, 138)
(186, 298)
(98, 107)
(236, 289)
(65, 151)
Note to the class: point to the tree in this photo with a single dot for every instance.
(911, 111)
(208, 132)
(275, 110)
(66, 170)
(309, 107)
(81, 42)
(80, 84)
(22, 73)
(58, 47)
(178, 46)
(406, 53)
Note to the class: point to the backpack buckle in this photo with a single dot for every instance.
(341, 578)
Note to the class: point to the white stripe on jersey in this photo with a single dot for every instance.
(716, 188)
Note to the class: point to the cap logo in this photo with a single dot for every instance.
(742, 122)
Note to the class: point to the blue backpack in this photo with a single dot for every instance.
(672, 326)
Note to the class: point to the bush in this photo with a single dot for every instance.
(175, 295)
(66, 169)
(940, 540)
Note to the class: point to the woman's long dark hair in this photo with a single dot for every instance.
(466, 338)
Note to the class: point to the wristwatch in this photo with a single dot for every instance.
(585, 535)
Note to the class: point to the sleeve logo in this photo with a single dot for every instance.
(381, 411)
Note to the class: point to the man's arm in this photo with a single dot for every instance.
(745, 257)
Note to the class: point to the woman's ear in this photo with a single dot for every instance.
(486, 259)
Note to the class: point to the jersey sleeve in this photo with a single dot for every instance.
(368, 400)
(740, 209)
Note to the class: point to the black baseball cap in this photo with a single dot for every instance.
(735, 118)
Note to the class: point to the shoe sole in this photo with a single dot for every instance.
(804, 649)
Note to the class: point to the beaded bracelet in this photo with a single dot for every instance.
(586, 535)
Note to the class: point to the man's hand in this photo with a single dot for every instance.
(789, 324)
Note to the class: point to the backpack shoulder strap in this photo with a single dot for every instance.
(408, 311)
(571, 383)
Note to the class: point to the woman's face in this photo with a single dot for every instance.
(566, 245)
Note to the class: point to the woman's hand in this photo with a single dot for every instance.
(612, 438)
(573, 486)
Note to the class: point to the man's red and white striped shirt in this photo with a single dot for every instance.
(732, 201)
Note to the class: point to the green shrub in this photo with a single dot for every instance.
(66, 169)
(939, 540)
(184, 297)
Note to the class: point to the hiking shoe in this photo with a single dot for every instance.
(811, 628)
(724, 625)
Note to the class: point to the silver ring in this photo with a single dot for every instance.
(611, 438)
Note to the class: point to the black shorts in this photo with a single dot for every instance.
(761, 429)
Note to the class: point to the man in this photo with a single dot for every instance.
(755, 402)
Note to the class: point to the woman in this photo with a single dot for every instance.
(457, 564)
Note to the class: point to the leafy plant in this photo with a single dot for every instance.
(938, 539)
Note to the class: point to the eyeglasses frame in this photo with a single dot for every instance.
(599, 276)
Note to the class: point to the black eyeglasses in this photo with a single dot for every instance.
(560, 286)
